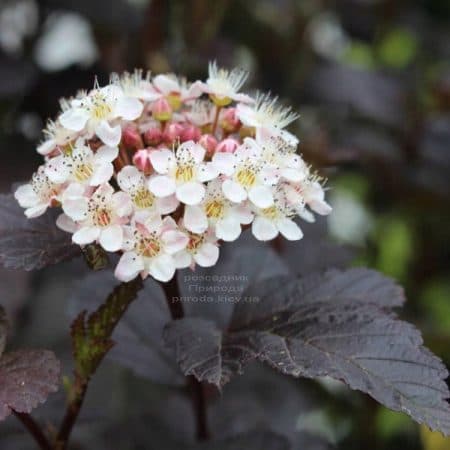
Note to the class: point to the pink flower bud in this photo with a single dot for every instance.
(131, 138)
(230, 122)
(153, 137)
(141, 160)
(190, 133)
(172, 132)
(208, 142)
(161, 110)
(228, 145)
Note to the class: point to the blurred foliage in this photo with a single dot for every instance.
(371, 81)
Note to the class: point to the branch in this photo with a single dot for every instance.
(34, 429)
(173, 297)
(91, 341)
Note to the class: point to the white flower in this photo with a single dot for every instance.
(80, 164)
(201, 249)
(201, 113)
(100, 217)
(268, 222)
(149, 248)
(38, 195)
(55, 136)
(132, 181)
(182, 173)
(268, 118)
(223, 85)
(94, 112)
(136, 84)
(175, 89)
(217, 212)
(308, 192)
(250, 175)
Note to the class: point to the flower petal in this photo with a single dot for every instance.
(162, 268)
(129, 266)
(122, 204)
(129, 178)
(46, 147)
(174, 241)
(191, 193)
(167, 205)
(106, 154)
(57, 170)
(263, 229)
(107, 134)
(228, 229)
(102, 174)
(111, 238)
(161, 160)
(207, 255)
(26, 196)
(207, 172)
(161, 186)
(289, 229)
(75, 208)
(129, 108)
(74, 119)
(224, 163)
(86, 235)
(166, 84)
(234, 191)
(36, 211)
(182, 259)
(65, 223)
(261, 196)
(195, 219)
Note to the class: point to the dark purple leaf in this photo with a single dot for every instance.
(31, 243)
(27, 377)
(337, 324)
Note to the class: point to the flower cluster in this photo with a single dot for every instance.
(162, 170)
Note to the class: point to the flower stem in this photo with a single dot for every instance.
(34, 429)
(216, 120)
(173, 297)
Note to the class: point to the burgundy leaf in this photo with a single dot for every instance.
(27, 377)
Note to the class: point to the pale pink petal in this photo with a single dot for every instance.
(289, 229)
(261, 196)
(111, 238)
(56, 169)
(166, 84)
(196, 150)
(244, 98)
(190, 193)
(36, 211)
(129, 108)
(86, 235)
(123, 206)
(195, 219)
(107, 134)
(26, 196)
(228, 229)
(102, 174)
(74, 119)
(65, 223)
(224, 163)
(129, 178)
(129, 266)
(46, 147)
(294, 175)
(174, 241)
(161, 186)
(162, 268)
(246, 114)
(207, 172)
(161, 160)
(207, 255)
(75, 208)
(263, 229)
(106, 154)
(243, 214)
(167, 205)
(195, 90)
(306, 215)
(234, 191)
(182, 259)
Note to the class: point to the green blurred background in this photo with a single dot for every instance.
(371, 81)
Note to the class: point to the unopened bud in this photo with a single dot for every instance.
(173, 132)
(153, 137)
(209, 143)
(228, 145)
(190, 133)
(161, 110)
(230, 122)
(131, 138)
(141, 159)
